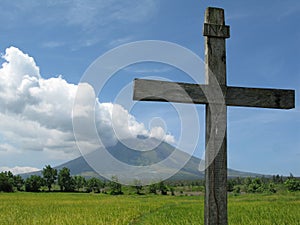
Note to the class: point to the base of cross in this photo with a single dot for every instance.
(215, 32)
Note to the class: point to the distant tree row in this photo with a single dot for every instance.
(50, 177)
(63, 180)
(263, 184)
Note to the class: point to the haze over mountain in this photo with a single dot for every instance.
(121, 152)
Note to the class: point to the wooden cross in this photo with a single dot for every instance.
(215, 32)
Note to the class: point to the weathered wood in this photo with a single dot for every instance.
(215, 211)
(164, 91)
(260, 97)
(215, 32)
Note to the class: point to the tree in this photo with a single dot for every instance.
(271, 187)
(238, 181)
(277, 179)
(237, 190)
(255, 186)
(162, 188)
(6, 181)
(247, 181)
(138, 186)
(230, 185)
(115, 186)
(152, 188)
(34, 183)
(172, 190)
(80, 182)
(94, 184)
(292, 184)
(50, 175)
(18, 182)
(65, 181)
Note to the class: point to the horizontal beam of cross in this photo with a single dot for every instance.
(153, 90)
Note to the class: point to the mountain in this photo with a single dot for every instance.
(144, 157)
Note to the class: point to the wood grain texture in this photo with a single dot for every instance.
(214, 30)
(260, 97)
(215, 211)
(164, 91)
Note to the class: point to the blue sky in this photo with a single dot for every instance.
(65, 37)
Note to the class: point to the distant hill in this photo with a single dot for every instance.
(190, 171)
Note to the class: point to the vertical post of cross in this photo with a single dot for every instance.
(215, 33)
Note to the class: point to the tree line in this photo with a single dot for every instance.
(67, 183)
(52, 179)
(263, 184)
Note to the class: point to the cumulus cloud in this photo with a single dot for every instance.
(36, 113)
(159, 133)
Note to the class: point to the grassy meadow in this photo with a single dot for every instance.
(79, 208)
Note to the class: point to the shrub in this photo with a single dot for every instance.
(292, 184)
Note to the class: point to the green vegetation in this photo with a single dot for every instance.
(63, 181)
(34, 183)
(267, 209)
(6, 181)
(259, 200)
(292, 183)
(80, 208)
(115, 186)
(49, 175)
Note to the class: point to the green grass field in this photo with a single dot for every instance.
(73, 208)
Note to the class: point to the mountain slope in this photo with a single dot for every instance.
(190, 171)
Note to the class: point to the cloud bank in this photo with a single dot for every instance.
(36, 113)
(19, 169)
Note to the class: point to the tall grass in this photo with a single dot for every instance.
(68, 208)
(278, 209)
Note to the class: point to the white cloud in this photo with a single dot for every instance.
(160, 134)
(36, 113)
(18, 169)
